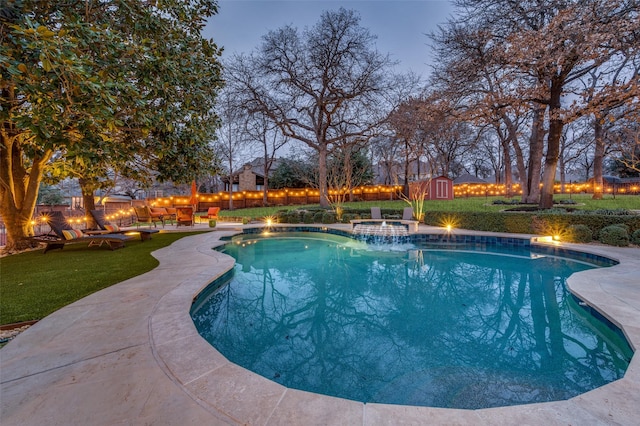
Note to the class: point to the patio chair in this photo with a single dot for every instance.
(375, 213)
(144, 215)
(105, 227)
(171, 211)
(407, 213)
(184, 216)
(64, 233)
(212, 213)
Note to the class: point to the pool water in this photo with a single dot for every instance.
(427, 327)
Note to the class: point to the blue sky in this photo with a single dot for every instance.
(400, 25)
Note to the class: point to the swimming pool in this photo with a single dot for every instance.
(328, 315)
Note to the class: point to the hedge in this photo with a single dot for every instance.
(529, 223)
(570, 226)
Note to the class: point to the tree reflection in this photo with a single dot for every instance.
(449, 329)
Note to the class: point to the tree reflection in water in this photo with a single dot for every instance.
(423, 327)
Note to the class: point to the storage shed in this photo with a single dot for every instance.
(438, 188)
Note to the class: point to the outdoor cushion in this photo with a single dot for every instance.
(111, 228)
(72, 234)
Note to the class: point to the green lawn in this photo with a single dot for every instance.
(33, 285)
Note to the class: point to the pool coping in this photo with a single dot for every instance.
(197, 376)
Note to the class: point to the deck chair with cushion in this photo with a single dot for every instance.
(144, 215)
(162, 212)
(171, 214)
(105, 227)
(407, 213)
(184, 216)
(375, 213)
(63, 233)
(212, 213)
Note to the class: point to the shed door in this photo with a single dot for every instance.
(442, 189)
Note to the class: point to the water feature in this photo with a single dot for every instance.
(378, 233)
(420, 327)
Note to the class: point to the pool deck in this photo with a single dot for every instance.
(131, 355)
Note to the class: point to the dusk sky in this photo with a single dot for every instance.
(400, 25)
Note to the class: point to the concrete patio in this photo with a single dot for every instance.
(131, 355)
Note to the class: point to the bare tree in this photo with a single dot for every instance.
(268, 136)
(232, 138)
(320, 86)
(540, 51)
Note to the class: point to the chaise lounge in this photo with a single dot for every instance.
(105, 227)
(63, 234)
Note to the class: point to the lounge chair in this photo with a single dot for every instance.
(407, 213)
(184, 216)
(105, 227)
(63, 233)
(144, 215)
(375, 213)
(212, 213)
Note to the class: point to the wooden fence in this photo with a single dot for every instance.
(279, 197)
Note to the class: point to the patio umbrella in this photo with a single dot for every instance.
(194, 191)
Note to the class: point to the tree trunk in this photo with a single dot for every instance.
(265, 187)
(88, 201)
(322, 176)
(348, 173)
(553, 148)
(536, 147)
(512, 137)
(598, 157)
(18, 191)
(508, 176)
(230, 183)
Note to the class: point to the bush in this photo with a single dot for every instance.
(308, 217)
(579, 234)
(293, 216)
(635, 237)
(281, 216)
(614, 235)
(329, 217)
(347, 217)
(612, 212)
(317, 217)
(625, 226)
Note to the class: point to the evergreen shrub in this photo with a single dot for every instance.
(329, 217)
(308, 217)
(579, 234)
(614, 235)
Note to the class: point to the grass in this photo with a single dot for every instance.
(34, 285)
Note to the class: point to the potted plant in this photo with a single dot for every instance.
(212, 223)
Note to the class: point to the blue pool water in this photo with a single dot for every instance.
(429, 327)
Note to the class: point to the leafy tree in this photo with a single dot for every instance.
(290, 174)
(95, 86)
(50, 195)
(321, 87)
